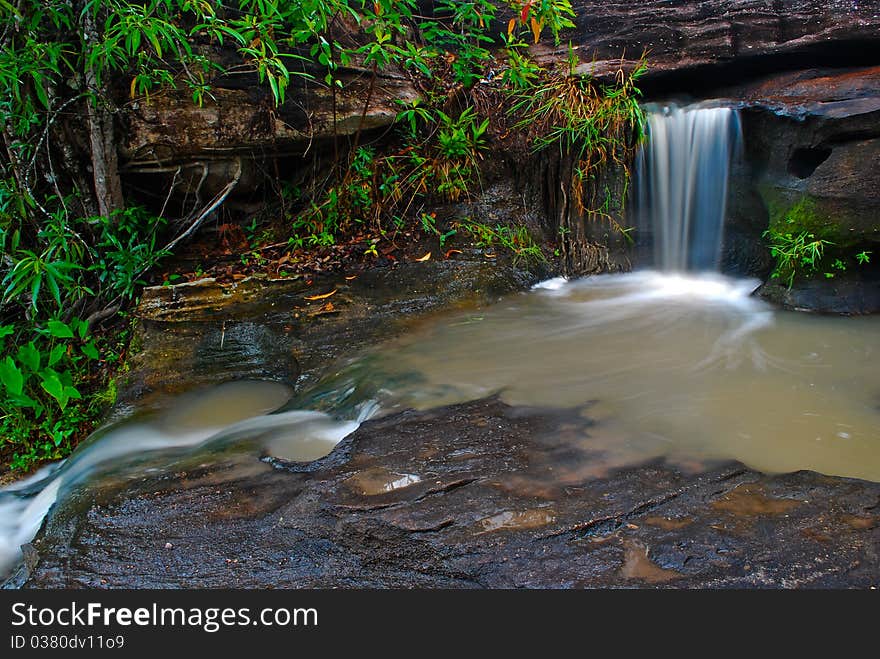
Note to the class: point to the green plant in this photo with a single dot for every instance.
(41, 401)
(126, 249)
(796, 254)
(516, 239)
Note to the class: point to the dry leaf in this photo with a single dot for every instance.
(536, 29)
(426, 257)
(452, 251)
(321, 297)
(351, 277)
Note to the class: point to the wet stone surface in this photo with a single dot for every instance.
(206, 332)
(473, 495)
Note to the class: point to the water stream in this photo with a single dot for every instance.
(667, 364)
(681, 182)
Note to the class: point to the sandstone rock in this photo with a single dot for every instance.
(810, 163)
(688, 34)
(461, 497)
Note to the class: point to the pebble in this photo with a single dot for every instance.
(168, 545)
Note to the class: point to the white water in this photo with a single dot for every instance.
(232, 412)
(681, 183)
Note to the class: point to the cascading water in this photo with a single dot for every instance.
(681, 183)
(208, 420)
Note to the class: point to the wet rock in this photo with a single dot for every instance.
(842, 295)
(484, 504)
(813, 143)
(811, 155)
(207, 332)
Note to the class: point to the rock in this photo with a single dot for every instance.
(690, 35)
(813, 139)
(469, 496)
(811, 156)
(208, 332)
(840, 295)
(201, 147)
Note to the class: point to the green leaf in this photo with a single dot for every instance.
(60, 330)
(11, 377)
(56, 354)
(26, 401)
(54, 388)
(72, 392)
(81, 327)
(29, 356)
(6, 330)
(90, 351)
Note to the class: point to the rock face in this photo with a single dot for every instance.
(470, 496)
(815, 136)
(689, 34)
(239, 126)
(812, 156)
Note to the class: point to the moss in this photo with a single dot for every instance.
(803, 215)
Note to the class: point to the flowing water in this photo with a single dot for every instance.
(665, 364)
(685, 367)
(681, 182)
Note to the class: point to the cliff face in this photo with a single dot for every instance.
(687, 34)
(680, 37)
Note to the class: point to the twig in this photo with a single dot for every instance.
(212, 205)
(170, 191)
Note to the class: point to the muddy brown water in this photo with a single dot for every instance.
(690, 368)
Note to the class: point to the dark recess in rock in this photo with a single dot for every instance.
(804, 161)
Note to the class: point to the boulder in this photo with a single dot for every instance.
(811, 160)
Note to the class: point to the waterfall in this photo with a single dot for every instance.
(681, 183)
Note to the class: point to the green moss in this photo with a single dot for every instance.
(802, 216)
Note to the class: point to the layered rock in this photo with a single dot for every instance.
(812, 159)
(688, 34)
(238, 126)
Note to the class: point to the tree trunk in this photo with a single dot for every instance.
(105, 163)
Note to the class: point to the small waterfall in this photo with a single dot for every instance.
(681, 183)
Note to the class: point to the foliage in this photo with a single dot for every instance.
(517, 239)
(41, 404)
(796, 254)
(805, 243)
(591, 125)
(59, 60)
(126, 249)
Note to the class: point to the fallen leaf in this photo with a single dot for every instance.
(488, 256)
(426, 257)
(321, 297)
(351, 277)
(452, 251)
